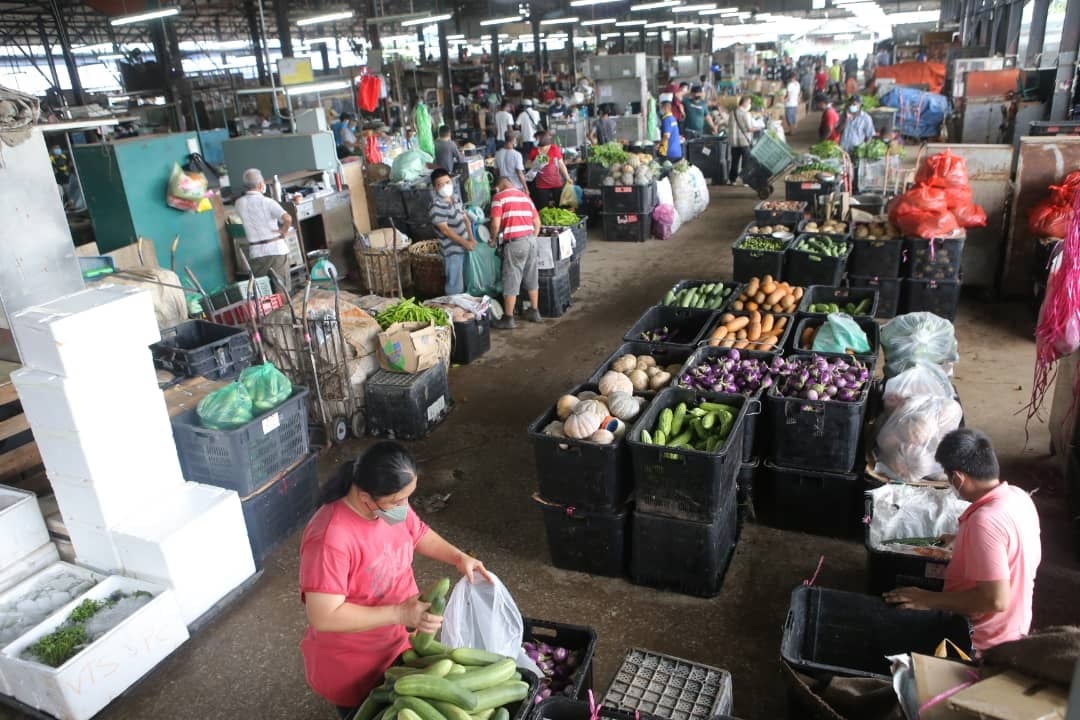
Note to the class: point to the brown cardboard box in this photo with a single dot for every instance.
(1012, 696)
(409, 347)
(934, 677)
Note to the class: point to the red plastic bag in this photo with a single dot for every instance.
(1063, 194)
(372, 153)
(943, 170)
(958, 196)
(1049, 219)
(933, 225)
(368, 97)
(970, 216)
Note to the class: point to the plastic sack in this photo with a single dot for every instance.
(197, 164)
(422, 123)
(919, 337)
(928, 225)
(410, 166)
(910, 511)
(841, 334)
(483, 615)
(372, 152)
(568, 198)
(267, 386)
(943, 170)
(1050, 219)
(652, 122)
(908, 439)
(368, 97)
(919, 380)
(958, 196)
(185, 189)
(483, 271)
(665, 221)
(970, 216)
(663, 192)
(1064, 193)
(227, 408)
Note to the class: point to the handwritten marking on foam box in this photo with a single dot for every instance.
(271, 423)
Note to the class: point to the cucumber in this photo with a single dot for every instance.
(437, 648)
(426, 661)
(677, 418)
(483, 714)
(421, 707)
(666, 416)
(669, 299)
(384, 694)
(681, 440)
(708, 421)
(501, 714)
(451, 711)
(399, 671)
(409, 656)
(490, 676)
(369, 708)
(456, 670)
(422, 642)
(472, 656)
(659, 438)
(407, 714)
(510, 692)
(441, 668)
(430, 687)
(646, 438)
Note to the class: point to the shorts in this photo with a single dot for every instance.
(792, 114)
(519, 268)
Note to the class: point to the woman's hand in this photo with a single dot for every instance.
(469, 566)
(414, 614)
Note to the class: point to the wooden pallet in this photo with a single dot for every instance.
(20, 462)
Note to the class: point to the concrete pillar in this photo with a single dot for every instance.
(1065, 80)
(281, 14)
(1036, 32)
(538, 65)
(448, 84)
(573, 53)
(496, 62)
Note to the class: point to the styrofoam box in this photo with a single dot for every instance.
(106, 504)
(36, 561)
(81, 687)
(94, 547)
(88, 333)
(193, 540)
(22, 528)
(65, 549)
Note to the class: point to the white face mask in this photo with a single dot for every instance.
(955, 490)
(446, 190)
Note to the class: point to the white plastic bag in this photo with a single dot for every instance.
(483, 615)
(909, 511)
(663, 192)
(920, 379)
(918, 337)
(908, 440)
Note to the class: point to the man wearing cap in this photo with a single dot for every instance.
(266, 225)
(529, 122)
(670, 140)
(515, 225)
(696, 109)
(857, 127)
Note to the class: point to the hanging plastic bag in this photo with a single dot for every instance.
(919, 337)
(225, 409)
(652, 123)
(910, 436)
(185, 189)
(372, 153)
(970, 216)
(368, 97)
(568, 198)
(1049, 219)
(483, 271)
(483, 615)
(841, 334)
(410, 166)
(422, 122)
(267, 386)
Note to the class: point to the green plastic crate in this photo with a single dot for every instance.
(772, 153)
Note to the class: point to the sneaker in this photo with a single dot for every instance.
(504, 323)
(533, 315)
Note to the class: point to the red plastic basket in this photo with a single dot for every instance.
(241, 312)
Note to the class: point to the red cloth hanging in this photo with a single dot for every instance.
(368, 97)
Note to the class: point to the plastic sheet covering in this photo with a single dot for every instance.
(919, 337)
(920, 114)
(911, 511)
(909, 437)
(170, 303)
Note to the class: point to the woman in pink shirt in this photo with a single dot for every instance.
(356, 578)
(995, 553)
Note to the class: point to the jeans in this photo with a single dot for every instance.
(791, 114)
(454, 266)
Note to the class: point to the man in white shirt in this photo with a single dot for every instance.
(503, 122)
(266, 225)
(510, 164)
(529, 122)
(791, 102)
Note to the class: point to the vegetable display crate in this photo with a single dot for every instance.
(884, 120)
(242, 312)
(685, 326)
(561, 267)
(244, 458)
(472, 338)
(806, 268)
(744, 490)
(665, 355)
(818, 294)
(765, 216)
(807, 190)
(417, 201)
(757, 263)
(941, 297)
(682, 482)
(888, 290)
(575, 638)
(550, 235)
(21, 526)
(406, 406)
(886, 570)
(588, 541)
(682, 555)
(866, 324)
(876, 258)
(594, 175)
(285, 503)
(832, 632)
(772, 153)
(629, 198)
(387, 199)
(812, 501)
(580, 473)
(564, 708)
(709, 155)
(801, 230)
(575, 275)
(669, 687)
(627, 227)
(781, 340)
(197, 347)
(555, 298)
(733, 289)
(937, 259)
(815, 434)
(240, 291)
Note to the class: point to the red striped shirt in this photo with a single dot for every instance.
(516, 211)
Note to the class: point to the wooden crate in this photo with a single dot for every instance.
(20, 462)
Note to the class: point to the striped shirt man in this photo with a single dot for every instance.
(516, 213)
(451, 212)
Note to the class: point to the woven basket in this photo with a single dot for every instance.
(377, 273)
(428, 274)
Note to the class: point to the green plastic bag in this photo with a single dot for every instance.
(227, 408)
(483, 272)
(267, 386)
(652, 122)
(841, 334)
(422, 122)
(410, 165)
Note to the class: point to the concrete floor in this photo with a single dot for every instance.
(247, 663)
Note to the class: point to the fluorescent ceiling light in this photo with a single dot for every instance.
(586, 3)
(325, 17)
(693, 8)
(143, 17)
(560, 21)
(655, 5)
(609, 36)
(602, 21)
(657, 25)
(427, 20)
(631, 23)
(501, 21)
(455, 37)
(317, 87)
(718, 11)
(107, 58)
(918, 16)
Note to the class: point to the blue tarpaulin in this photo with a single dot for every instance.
(919, 113)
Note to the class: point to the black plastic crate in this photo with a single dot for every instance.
(781, 339)
(801, 230)
(757, 263)
(849, 634)
(564, 708)
(665, 356)
(562, 267)
(420, 230)
(645, 682)
(406, 406)
(579, 473)
(472, 339)
(941, 297)
(876, 258)
(807, 190)
(244, 458)
(887, 570)
(812, 501)
(575, 274)
(627, 227)
(805, 268)
(575, 638)
(1043, 128)
(815, 434)
(938, 259)
(888, 290)
(275, 510)
(687, 326)
(594, 175)
(629, 198)
(588, 541)
(682, 482)
(816, 294)
(783, 217)
(197, 347)
(709, 155)
(868, 325)
(387, 199)
(744, 490)
(555, 294)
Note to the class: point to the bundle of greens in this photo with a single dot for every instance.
(553, 216)
(826, 149)
(408, 310)
(607, 154)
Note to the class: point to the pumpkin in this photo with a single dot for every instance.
(602, 437)
(659, 380)
(565, 406)
(587, 395)
(612, 381)
(581, 425)
(624, 363)
(623, 406)
(555, 429)
(639, 381)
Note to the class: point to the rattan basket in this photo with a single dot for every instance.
(428, 274)
(378, 276)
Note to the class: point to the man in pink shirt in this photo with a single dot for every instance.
(996, 551)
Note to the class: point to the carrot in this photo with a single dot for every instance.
(767, 323)
(752, 306)
(741, 344)
(726, 318)
(741, 335)
(767, 279)
(717, 335)
(737, 305)
(760, 297)
(767, 343)
(768, 288)
(807, 337)
(728, 343)
(798, 293)
(751, 288)
(780, 323)
(755, 316)
(738, 323)
(776, 296)
(753, 332)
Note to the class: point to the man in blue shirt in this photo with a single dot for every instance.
(670, 140)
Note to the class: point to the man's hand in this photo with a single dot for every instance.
(414, 613)
(468, 566)
(947, 540)
(910, 598)
(470, 244)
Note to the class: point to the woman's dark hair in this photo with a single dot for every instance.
(383, 470)
(746, 99)
(970, 452)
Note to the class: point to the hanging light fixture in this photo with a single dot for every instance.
(144, 16)
(325, 18)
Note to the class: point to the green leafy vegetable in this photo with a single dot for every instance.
(59, 646)
(607, 154)
(826, 149)
(869, 102)
(814, 167)
(757, 102)
(558, 217)
(409, 310)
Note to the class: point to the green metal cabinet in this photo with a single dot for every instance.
(125, 184)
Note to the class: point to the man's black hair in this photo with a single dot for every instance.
(968, 451)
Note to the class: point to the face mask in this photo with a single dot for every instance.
(394, 515)
(853, 111)
(446, 190)
(57, 152)
(955, 490)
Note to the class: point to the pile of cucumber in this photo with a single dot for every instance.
(708, 296)
(703, 427)
(821, 245)
(859, 308)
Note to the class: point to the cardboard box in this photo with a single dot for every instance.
(1012, 696)
(409, 347)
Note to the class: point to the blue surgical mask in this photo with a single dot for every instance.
(57, 152)
(394, 515)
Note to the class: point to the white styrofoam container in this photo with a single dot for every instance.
(107, 504)
(34, 562)
(22, 528)
(90, 334)
(193, 540)
(81, 687)
(94, 547)
(65, 549)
